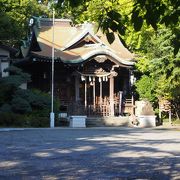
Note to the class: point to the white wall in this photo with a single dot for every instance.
(4, 65)
(23, 86)
(4, 62)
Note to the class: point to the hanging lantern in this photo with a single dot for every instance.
(106, 78)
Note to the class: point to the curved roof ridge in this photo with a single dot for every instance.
(101, 51)
(116, 46)
(82, 35)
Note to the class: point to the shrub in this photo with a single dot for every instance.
(20, 105)
(36, 98)
(5, 108)
(38, 121)
(10, 119)
(145, 88)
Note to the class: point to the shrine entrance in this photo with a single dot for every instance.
(94, 89)
(99, 89)
(97, 94)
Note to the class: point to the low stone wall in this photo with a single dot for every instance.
(116, 121)
(77, 121)
(107, 121)
(147, 121)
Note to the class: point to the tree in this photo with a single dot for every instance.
(115, 15)
(145, 88)
(161, 65)
(14, 16)
(34, 105)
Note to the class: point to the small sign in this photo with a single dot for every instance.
(164, 105)
(62, 115)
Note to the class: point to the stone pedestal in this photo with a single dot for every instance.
(77, 121)
(145, 116)
(146, 121)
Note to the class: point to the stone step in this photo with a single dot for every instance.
(107, 121)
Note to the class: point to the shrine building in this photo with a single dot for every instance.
(91, 76)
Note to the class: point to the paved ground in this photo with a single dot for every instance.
(91, 153)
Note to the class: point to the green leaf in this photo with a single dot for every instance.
(138, 22)
(75, 3)
(110, 37)
(121, 29)
(114, 15)
(113, 26)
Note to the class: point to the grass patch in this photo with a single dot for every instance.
(177, 121)
(174, 121)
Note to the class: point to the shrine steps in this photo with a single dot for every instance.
(107, 121)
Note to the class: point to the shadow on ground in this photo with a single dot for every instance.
(110, 153)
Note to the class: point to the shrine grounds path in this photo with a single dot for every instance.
(90, 153)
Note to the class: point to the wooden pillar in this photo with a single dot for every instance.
(132, 99)
(85, 93)
(111, 94)
(170, 119)
(100, 91)
(94, 94)
(76, 88)
(120, 102)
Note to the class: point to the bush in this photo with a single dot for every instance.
(38, 121)
(20, 105)
(5, 108)
(145, 88)
(9, 119)
(38, 100)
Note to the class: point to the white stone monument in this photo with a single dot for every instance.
(145, 114)
(77, 121)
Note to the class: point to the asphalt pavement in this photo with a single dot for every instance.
(90, 153)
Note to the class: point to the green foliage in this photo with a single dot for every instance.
(9, 84)
(36, 98)
(119, 16)
(5, 93)
(157, 11)
(16, 78)
(21, 107)
(41, 100)
(162, 66)
(37, 121)
(145, 88)
(5, 108)
(14, 16)
(9, 119)
(110, 15)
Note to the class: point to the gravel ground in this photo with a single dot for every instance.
(90, 153)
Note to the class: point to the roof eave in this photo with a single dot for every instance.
(117, 59)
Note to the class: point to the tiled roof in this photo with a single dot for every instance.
(67, 44)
